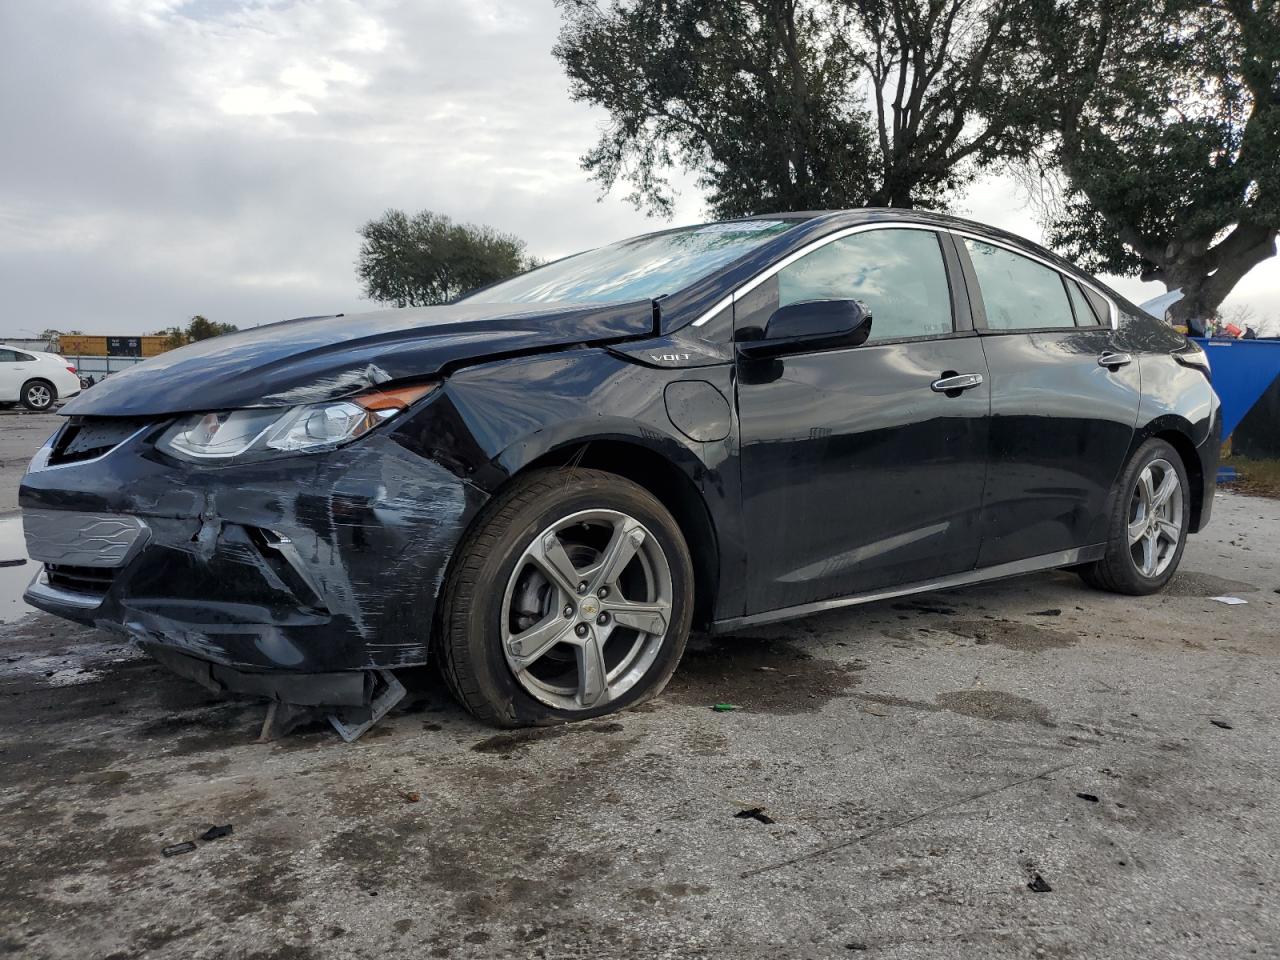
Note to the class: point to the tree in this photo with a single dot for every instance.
(798, 104)
(197, 328)
(1166, 119)
(201, 328)
(174, 337)
(428, 258)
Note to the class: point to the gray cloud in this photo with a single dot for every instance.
(163, 158)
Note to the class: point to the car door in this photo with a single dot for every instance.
(857, 473)
(1064, 403)
(12, 374)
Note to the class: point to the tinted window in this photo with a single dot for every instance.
(1085, 317)
(1019, 293)
(8, 356)
(899, 274)
(1101, 305)
(638, 269)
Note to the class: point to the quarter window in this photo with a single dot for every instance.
(1085, 316)
(1018, 293)
(899, 274)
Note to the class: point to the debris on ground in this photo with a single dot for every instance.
(1038, 884)
(755, 813)
(410, 796)
(1054, 612)
(216, 833)
(1229, 601)
(1223, 724)
(177, 849)
(1092, 798)
(283, 718)
(723, 707)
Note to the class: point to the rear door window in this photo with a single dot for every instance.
(899, 274)
(1018, 292)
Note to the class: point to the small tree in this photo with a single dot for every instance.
(197, 328)
(174, 337)
(428, 258)
(201, 328)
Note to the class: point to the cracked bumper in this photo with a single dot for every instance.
(309, 564)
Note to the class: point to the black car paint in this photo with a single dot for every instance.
(320, 358)
(797, 482)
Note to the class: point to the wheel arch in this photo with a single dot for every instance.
(1178, 433)
(673, 488)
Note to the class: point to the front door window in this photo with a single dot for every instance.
(899, 274)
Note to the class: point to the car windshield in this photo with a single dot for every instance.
(638, 269)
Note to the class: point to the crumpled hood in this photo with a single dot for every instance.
(303, 361)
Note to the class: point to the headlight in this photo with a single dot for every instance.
(268, 432)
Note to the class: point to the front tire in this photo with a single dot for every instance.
(38, 395)
(1148, 525)
(571, 598)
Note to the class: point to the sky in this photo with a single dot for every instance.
(163, 158)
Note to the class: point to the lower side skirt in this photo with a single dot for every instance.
(1048, 561)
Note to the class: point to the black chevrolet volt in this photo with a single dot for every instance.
(546, 485)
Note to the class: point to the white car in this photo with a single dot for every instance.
(36, 380)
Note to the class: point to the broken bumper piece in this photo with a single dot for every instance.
(345, 689)
(297, 579)
(353, 702)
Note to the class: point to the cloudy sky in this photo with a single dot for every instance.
(164, 158)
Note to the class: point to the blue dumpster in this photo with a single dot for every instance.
(1246, 374)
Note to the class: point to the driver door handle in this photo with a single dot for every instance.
(1114, 361)
(961, 381)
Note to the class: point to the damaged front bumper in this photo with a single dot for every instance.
(312, 565)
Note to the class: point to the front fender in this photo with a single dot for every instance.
(490, 422)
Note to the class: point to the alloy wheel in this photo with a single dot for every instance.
(586, 609)
(39, 396)
(1155, 518)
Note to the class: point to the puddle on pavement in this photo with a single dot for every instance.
(13, 579)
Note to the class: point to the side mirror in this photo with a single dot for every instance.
(811, 325)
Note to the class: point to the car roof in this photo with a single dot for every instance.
(944, 221)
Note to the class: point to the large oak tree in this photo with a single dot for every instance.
(799, 104)
(1166, 123)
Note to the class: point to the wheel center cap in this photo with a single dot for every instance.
(589, 607)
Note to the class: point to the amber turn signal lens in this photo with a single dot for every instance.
(397, 398)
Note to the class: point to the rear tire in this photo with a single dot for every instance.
(38, 395)
(570, 598)
(1147, 530)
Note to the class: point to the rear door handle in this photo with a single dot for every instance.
(956, 383)
(1114, 361)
